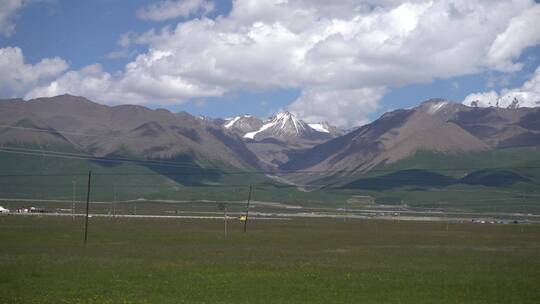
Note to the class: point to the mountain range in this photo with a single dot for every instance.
(510, 100)
(281, 145)
(283, 126)
(278, 138)
(436, 126)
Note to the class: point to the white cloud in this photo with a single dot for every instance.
(329, 50)
(136, 85)
(124, 42)
(343, 108)
(522, 32)
(8, 11)
(89, 81)
(170, 9)
(482, 99)
(17, 77)
(528, 95)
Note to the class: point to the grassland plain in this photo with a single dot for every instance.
(42, 260)
(426, 186)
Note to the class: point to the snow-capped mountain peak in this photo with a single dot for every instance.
(516, 100)
(286, 125)
(281, 124)
(510, 100)
(243, 124)
(287, 119)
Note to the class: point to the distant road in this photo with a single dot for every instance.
(143, 216)
(276, 216)
(302, 212)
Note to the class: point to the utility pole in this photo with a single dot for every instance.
(223, 206)
(73, 202)
(114, 201)
(247, 209)
(345, 211)
(87, 208)
(225, 210)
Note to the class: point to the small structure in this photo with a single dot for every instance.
(361, 200)
(37, 210)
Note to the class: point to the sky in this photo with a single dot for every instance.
(345, 62)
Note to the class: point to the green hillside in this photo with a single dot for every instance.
(496, 181)
(49, 177)
(52, 178)
(462, 163)
(499, 180)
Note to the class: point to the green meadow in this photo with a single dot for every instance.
(497, 181)
(43, 260)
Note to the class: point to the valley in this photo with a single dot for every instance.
(437, 155)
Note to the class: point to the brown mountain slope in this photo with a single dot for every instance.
(103, 131)
(435, 125)
(501, 128)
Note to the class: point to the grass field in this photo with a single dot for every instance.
(42, 260)
(432, 183)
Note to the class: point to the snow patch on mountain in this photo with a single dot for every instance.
(510, 100)
(319, 127)
(526, 96)
(436, 107)
(251, 135)
(520, 100)
(231, 121)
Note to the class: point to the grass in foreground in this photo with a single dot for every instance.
(42, 260)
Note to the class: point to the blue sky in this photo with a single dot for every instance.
(85, 33)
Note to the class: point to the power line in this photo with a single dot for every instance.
(68, 155)
(146, 186)
(50, 131)
(40, 152)
(162, 163)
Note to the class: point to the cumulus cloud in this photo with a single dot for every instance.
(7, 14)
(137, 85)
(329, 50)
(528, 95)
(17, 77)
(90, 81)
(521, 33)
(124, 42)
(316, 105)
(170, 9)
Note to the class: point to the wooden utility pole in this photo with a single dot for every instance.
(73, 203)
(225, 220)
(114, 202)
(223, 207)
(87, 208)
(247, 209)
